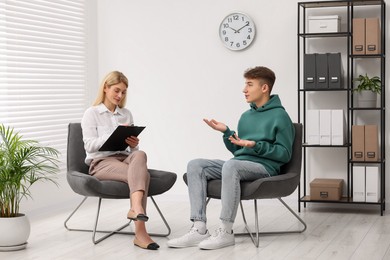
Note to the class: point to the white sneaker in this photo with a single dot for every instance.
(192, 238)
(219, 239)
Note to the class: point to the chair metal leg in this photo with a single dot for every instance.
(116, 231)
(255, 240)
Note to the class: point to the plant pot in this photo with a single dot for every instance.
(14, 233)
(366, 99)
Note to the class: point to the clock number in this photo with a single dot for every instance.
(249, 37)
(244, 42)
(235, 17)
(224, 32)
(238, 45)
(225, 25)
(230, 20)
(249, 30)
(226, 39)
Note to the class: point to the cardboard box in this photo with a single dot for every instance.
(323, 24)
(358, 142)
(371, 143)
(326, 189)
(372, 36)
(359, 36)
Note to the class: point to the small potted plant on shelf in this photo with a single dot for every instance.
(22, 163)
(367, 90)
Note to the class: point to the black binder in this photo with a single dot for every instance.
(322, 71)
(309, 71)
(116, 141)
(334, 71)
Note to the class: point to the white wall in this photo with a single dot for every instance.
(180, 72)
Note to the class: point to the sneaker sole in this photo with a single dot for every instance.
(218, 247)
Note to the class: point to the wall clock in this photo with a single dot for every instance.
(237, 31)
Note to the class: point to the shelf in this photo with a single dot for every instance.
(342, 200)
(368, 56)
(325, 146)
(366, 162)
(343, 41)
(323, 89)
(324, 35)
(318, 4)
(367, 108)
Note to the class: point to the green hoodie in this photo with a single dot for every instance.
(271, 128)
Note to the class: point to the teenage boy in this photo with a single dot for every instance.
(262, 144)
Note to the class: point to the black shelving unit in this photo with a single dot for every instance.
(348, 9)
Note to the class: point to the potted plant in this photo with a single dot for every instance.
(367, 90)
(22, 163)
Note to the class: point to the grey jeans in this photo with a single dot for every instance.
(231, 172)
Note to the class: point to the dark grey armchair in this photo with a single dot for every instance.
(274, 187)
(89, 186)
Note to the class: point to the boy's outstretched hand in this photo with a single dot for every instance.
(214, 124)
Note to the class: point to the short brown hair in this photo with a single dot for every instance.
(261, 73)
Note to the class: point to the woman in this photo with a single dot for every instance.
(129, 166)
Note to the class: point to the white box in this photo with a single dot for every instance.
(325, 126)
(338, 127)
(313, 126)
(359, 183)
(372, 183)
(323, 24)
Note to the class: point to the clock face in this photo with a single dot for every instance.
(237, 31)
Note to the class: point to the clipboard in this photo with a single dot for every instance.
(116, 141)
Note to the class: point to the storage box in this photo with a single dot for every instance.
(323, 24)
(326, 189)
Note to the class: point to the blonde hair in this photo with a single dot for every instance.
(112, 78)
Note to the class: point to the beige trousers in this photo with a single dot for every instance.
(131, 169)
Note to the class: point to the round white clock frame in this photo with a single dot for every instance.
(237, 31)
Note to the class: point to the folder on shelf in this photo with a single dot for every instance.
(372, 183)
(371, 143)
(359, 183)
(309, 71)
(321, 70)
(337, 127)
(325, 126)
(358, 142)
(313, 127)
(372, 36)
(334, 70)
(359, 36)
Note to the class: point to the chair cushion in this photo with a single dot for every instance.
(87, 185)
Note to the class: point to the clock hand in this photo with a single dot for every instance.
(247, 23)
(235, 31)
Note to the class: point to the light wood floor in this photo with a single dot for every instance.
(332, 233)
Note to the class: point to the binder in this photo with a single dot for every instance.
(325, 127)
(372, 36)
(309, 71)
(358, 142)
(337, 127)
(359, 36)
(372, 183)
(371, 143)
(334, 70)
(321, 70)
(359, 183)
(313, 128)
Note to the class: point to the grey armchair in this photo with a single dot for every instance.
(89, 186)
(274, 187)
